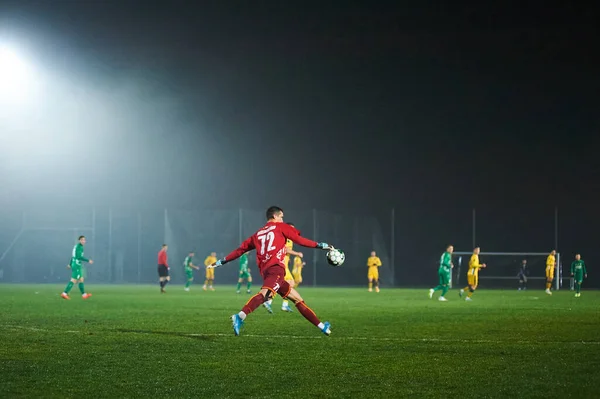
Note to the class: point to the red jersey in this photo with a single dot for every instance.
(269, 243)
(162, 257)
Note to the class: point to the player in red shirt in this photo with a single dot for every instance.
(269, 243)
(163, 268)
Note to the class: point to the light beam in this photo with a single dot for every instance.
(16, 77)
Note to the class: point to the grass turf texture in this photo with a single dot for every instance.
(131, 341)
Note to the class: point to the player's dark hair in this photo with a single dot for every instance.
(164, 245)
(272, 211)
(80, 237)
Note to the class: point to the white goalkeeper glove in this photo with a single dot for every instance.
(324, 246)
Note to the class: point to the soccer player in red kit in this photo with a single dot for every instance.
(269, 243)
(163, 268)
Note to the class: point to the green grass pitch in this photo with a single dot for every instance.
(132, 342)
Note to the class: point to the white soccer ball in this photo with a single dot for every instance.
(336, 257)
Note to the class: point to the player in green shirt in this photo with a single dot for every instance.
(444, 273)
(189, 270)
(76, 276)
(579, 272)
(244, 274)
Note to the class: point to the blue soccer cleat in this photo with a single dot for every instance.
(286, 308)
(237, 323)
(268, 307)
(325, 330)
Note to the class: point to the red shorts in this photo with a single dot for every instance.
(274, 281)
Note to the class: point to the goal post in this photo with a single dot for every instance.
(54, 234)
(504, 266)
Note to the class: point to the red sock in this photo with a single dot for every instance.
(307, 313)
(253, 303)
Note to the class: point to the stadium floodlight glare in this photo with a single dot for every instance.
(16, 77)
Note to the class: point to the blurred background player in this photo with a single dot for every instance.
(373, 263)
(163, 268)
(244, 274)
(75, 266)
(472, 274)
(269, 243)
(579, 272)
(210, 272)
(289, 250)
(189, 270)
(444, 272)
(522, 275)
(297, 270)
(550, 265)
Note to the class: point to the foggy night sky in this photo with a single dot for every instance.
(358, 107)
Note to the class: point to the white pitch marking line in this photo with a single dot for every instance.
(396, 339)
(35, 329)
(392, 339)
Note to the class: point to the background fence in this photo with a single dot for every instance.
(35, 244)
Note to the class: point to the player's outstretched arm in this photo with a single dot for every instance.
(246, 246)
(291, 233)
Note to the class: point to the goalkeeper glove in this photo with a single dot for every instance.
(324, 245)
(218, 263)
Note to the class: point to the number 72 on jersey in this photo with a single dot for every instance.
(266, 240)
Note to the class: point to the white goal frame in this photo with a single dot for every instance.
(557, 279)
(26, 226)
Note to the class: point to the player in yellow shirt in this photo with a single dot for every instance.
(472, 274)
(373, 263)
(289, 245)
(297, 270)
(210, 272)
(550, 265)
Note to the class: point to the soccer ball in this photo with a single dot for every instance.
(336, 257)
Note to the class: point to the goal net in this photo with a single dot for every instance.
(503, 268)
